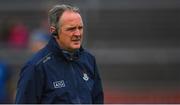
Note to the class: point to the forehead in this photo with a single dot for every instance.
(70, 17)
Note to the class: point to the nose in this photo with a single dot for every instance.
(77, 32)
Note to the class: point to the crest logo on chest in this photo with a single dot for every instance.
(85, 77)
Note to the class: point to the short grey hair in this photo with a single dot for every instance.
(56, 12)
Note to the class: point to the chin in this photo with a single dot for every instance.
(76, 47)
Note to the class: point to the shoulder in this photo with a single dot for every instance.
(88, 57)
(39, 57)
(88, 53)
(36, 59)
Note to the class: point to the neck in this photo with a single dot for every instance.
(64, 48)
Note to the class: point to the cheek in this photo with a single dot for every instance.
(65, 38)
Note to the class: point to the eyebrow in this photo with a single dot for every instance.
(71, 26)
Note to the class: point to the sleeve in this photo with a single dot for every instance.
(98, 94)
(29, 87)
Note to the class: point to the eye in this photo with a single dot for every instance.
(71, 29)
(80, 27)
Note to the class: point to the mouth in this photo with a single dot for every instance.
(76, 39)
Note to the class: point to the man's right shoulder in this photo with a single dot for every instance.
(39, 57)
(35, 60)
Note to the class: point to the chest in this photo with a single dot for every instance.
(70, 80)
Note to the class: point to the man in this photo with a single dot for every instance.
(62, 72)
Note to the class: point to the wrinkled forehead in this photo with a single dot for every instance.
(71, 17)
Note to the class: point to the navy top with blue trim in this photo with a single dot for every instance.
(56, 76)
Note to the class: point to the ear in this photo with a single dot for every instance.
(52, 29)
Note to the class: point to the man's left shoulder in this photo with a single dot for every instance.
(88, 54)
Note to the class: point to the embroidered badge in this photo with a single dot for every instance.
(59, 84)
(85, 77)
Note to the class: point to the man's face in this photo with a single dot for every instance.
(71, 31)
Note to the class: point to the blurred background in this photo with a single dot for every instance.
(136, 43)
